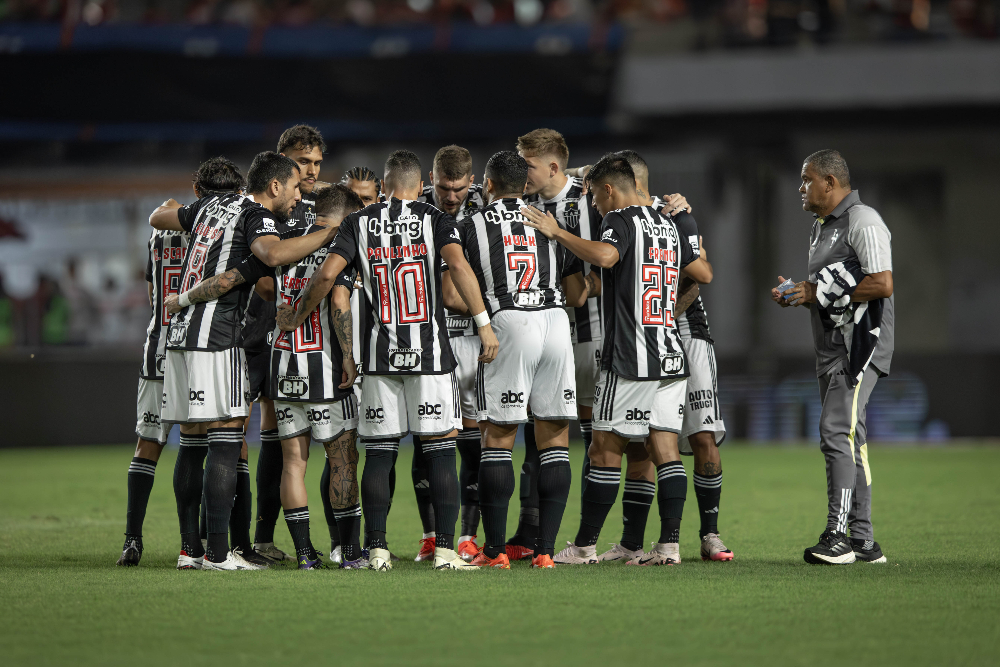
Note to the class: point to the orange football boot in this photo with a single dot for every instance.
(543, 561)
(426, 549)
(500, 562)
(517, 552)
(467, 550)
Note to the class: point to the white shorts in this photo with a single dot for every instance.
(324, 421)
(147, 412)
(394, 405)
(701, 410)
(203, 386)
(466, 350)
(533, 368)
(587, 357)
(630, 408)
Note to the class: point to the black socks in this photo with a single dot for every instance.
(554, 479)
(140, 483)
(598, 498)
(375, 492)
(224, 445)
(349, 528)
(269, 467)
(496, 486)
(419, 472)
(297, 520)
(242, 514)
(587, 431)
(440, 457)
(708, 491)
(636, 501)
(671, 487)
(527, 521)
(188, 477)
(469, 448)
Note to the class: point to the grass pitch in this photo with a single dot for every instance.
(937, 601)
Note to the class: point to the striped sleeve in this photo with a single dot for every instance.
(871, 240)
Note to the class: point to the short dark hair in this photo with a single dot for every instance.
(301, 137)
(544, 141)
(829, 162)
(337, 199)
(266, 167)
(508, 171)
(218, 175)
(634, 159)
(453, 162)
(402, 168)
(613, 169)
(363, 174)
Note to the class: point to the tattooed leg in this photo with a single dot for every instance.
(342, 458)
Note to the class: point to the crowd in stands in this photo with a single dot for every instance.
(718, 22)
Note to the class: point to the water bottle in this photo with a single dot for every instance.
(788, 284)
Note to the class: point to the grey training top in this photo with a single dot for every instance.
(851, 230)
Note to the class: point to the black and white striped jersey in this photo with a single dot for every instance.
(306, 364)
(474, 201)
(167, 250)
(396, 248)
(517, 267)
(575, 213)
(303, 215)
(693, 322)
(641, 340)
(222, 228)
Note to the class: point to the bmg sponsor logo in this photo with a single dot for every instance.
(408, 224)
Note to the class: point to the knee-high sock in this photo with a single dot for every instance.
(297, 520)
(242, 514)
(440, 457)
(598, 498)
(554, 480)
(188, 478)
(496, 486)
(419, 472)
(527, 521)
(224, 445)
(349, 526)
(392, 477)
(587, 431)
(636, 501)
(708, 491)
(269, 467)
(671, 487)
(469, 448)
(375, 495)
(328, 511)
(140, 484)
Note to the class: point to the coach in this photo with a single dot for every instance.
(849, 295)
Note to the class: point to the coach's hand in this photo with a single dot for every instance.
(350, 373)
(777, 297)
(543, 222)
(803, 293)
(286, 317)
(489, 342)
(172, 303)
(675, 204)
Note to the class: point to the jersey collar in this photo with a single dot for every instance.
(562, 193)
(853, 197)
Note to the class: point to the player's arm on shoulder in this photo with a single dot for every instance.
(166, 216)
(322, 281)
(274, 251)
(209, 289)
(340, 310)
(452, 299)
(593, 252)
(699, 270)
(468, 289)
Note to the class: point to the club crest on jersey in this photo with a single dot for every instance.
(404, 359)
(406, 224)
(571, 215)
(293, 386)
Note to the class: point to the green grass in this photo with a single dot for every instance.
(937, 601)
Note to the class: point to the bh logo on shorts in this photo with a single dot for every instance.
(511, 399)
(404, 360)
(293, 386)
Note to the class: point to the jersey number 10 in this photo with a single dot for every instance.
(410, 287)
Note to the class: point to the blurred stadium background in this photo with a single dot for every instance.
(110, 105)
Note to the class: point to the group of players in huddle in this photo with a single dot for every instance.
(455, 312)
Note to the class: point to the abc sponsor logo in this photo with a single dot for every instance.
(511, 399)
(429, 411)
(374, 414)
(404, 360)
(637, 416)
(151, 418)
(569, 395)
(292, 386)
(316, 415)
(283, 414)
(196, 397)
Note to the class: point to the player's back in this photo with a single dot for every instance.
(517, 267)
(638, 295)
(306, 364)
(395, 247)
(167, 250)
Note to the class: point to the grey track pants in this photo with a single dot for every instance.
(843, 443)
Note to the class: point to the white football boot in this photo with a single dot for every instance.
(712, 548)
(619, 553)
(574, 555)
(233, 562)
(268, 550)
(336, 555)
(256, 562)
(379, 560)
(185, 562)
(448, 559)
(662, 553)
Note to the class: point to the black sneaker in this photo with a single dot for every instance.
(868, 551)
(833, 549)
(131, 552)
(254, 558)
